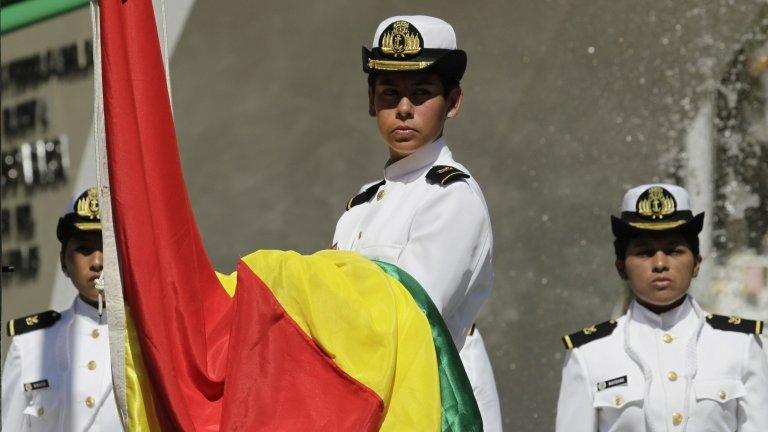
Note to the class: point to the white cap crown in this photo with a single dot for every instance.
(681, 196)
(435, 32)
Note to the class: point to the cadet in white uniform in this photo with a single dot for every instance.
(57, 374)
(428, 216)
(665, 365)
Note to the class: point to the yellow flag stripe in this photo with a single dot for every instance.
(367, 322)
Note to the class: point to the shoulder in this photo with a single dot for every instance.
(365, 194)
(589, 334)
(31, 323)
(735, 324)
(445, 175)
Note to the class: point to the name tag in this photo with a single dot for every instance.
(615, 382)
(37, 385)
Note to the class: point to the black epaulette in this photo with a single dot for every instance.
(365, 195)
(735, 323)
(32, 322)
(445, 175)
(589, 334)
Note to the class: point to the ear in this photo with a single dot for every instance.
(621, 269)
(696, 265)
(371, 106)
(63, 264)
(455, 97)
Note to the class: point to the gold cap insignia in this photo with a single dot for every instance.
(399, 41)
(88, 206)
(656, 203)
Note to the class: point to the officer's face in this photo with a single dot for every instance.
(411, 109)
(81, 261)
(659, 267)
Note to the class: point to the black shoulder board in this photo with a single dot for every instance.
(445, 175)
(32, 322)
(589, 334)
(365, 195)
(734, 323)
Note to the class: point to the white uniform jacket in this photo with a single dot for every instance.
(670, 372)
(69, 362)
(440, 235)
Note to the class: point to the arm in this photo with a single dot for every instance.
(449, 241)
(14, 400)
(753, 415)
(575, 412)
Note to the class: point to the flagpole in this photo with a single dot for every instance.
(113, 286)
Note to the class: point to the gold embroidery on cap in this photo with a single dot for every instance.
(590, 330)
(400, 41)
(32, 320)
(657, 204)
(392, 65)
(734, 320)
(88, 206)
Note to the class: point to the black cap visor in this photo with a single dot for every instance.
(445, 62)
(70, 223)
(629, 226)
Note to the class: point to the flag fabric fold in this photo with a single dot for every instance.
(288, 342)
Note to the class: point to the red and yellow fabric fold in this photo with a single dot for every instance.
(288, 342)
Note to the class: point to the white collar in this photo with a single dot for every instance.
(412, 166)
(666, 320)
(85, 310)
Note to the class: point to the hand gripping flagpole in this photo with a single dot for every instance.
(110, 285)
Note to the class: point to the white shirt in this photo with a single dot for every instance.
(73, 356)
(681, 374)
(440, 235)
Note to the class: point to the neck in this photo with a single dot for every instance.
(92, 303)
(660, 309)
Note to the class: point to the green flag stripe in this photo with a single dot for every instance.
(22, 14)
(459, 407)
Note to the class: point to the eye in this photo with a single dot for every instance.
(644, 252)
(84, 249)
(388, 91)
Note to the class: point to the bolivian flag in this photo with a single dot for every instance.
(326, 342)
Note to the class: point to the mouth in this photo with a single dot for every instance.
(93, 278)
(661, 283)
(403, 130)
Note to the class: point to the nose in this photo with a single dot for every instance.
(660, 262)
(404, 108)
(97, 263)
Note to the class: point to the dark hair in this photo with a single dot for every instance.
(620, 244)
(448, 83)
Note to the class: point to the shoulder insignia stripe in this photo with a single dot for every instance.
(32, 322)
(445, 175)
(735, 324)
(365, 195)
(589, 334)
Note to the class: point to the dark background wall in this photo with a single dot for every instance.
(567, 103)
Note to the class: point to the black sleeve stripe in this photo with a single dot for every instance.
(32, 322)
(589, 334)
(365, 195)
(735, 324)
(445, 175)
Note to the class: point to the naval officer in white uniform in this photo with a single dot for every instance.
(57, 375)
(428, 215)
(666, 365)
